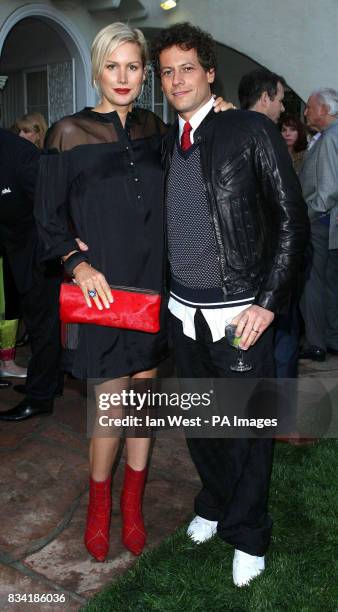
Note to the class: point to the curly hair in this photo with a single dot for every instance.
(294, 122)
(186, 36)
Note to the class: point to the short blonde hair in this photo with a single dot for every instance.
(111, 37)
(34, 122)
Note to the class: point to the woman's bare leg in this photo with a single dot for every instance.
(133, 531)
(103, 450)
(102, 453)
(138, 448)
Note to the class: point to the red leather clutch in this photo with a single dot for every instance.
(137, 309)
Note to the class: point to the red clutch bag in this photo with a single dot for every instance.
(137, 309)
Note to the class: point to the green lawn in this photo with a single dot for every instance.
(301, 574)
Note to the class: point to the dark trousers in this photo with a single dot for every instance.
(40, 307)
(319, 302)
(12, 298)
(235, 473)
(286, 342)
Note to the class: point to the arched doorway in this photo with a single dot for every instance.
(48, 64)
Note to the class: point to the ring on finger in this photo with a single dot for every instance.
(255, 331)
(92, 293)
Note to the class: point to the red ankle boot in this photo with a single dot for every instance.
(98, 518)
(133, 531)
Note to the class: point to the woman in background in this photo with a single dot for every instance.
(33, 127)
(294, 133)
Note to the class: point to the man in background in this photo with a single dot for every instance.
(37, 284)
(263, 91)
(319, 180)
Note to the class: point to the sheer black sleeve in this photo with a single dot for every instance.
(51, 205)
(64, 135)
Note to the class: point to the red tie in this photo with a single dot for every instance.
(185, 138)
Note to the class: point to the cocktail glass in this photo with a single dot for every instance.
(240, 365)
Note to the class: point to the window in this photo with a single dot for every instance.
(36, 92)
(152, 96)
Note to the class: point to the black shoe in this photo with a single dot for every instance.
(23, 389)
(26, 409)
(4, 384)
(20, 389)
(313, 352)
(332, 351)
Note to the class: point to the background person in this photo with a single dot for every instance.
(294, 133)
(32, 127)
(37, 284)
(9, 323)
(262, 91)
(319, 180)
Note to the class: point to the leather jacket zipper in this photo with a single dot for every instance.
(213, 214)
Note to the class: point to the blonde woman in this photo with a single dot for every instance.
(32, 127)
(109, 180)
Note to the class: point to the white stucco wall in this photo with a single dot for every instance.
(295, 38)
(230, 69)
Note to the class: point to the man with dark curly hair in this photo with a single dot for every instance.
(186, 37)
(236, 227)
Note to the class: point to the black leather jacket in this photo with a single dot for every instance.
(255, 203)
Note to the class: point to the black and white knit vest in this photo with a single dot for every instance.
(195, 271)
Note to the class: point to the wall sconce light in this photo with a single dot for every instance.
(166, 5)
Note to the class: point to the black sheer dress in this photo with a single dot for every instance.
(107, 183)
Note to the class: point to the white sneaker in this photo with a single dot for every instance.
(200, 529)
(246, 567)
(11, 369)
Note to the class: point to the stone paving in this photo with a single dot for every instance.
(44, 476)
(44, 479)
